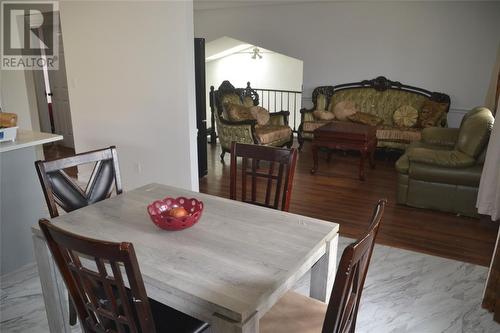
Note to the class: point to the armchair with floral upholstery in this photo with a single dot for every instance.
(238, 118)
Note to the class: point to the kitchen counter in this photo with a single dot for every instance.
(21, 197)
(28, 139)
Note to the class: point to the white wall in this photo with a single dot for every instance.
(440, 46)
(17, 93)
(14, 97)
(130, 74)
(273, 71)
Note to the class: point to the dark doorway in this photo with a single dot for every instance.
(201, 114)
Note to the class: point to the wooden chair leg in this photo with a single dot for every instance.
(300, 139)
(72, 312)
(329, 157)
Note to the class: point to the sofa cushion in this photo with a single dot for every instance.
(365, 118)
(406, 135)
(269, 133)
(436, 172)
(231, 98)
(444, 158)
(405, 116)
(310, 126)
(344, 109)
(381, 103)
(236, 112)
(467, 176)
(440, 136)
(431, 113)
(423, 144)
(248, 101)
(323, 115)
(260, 114)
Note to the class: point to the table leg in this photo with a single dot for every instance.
(315, 158)
(323, 272)
(221, 324)
(53, 290)
(329, 157)
(363, 154)
(372, 158)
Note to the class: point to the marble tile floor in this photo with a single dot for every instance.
(404, 292)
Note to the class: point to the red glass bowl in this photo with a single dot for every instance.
(159, 212)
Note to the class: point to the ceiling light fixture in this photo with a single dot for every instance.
(256, 53)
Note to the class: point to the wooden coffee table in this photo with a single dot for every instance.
(346, 136)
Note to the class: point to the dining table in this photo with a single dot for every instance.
(228, 269)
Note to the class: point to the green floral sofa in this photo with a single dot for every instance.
(275, 132)
(379, 97)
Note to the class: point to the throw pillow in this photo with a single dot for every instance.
(231, 98)
(365, 118)
(344, 109)
(260, 114)
(323, 115)
(248, 101)
(236, 112)
(431, 113)
(405, 116)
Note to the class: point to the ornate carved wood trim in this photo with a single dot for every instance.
(440, 98)
(227, 88)
(381, 83)
(324, 90)
(248, 91)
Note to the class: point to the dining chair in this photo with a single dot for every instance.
(95, 272)
(295, 313)
(275, 167)
(59, 189)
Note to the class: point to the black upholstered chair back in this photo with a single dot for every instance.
(61, 190)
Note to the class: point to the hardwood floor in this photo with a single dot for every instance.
(334, 193)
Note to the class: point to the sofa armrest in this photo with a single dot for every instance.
(279, 118)
(444, 158)
(306, 115)
(440, 136)
(238, 131)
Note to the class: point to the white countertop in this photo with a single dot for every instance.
(27, 138)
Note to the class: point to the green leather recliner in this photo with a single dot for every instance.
(443, 169)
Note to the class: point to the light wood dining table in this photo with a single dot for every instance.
(228, 269)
